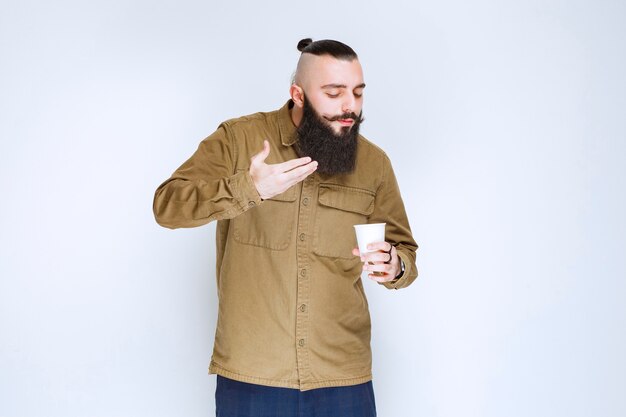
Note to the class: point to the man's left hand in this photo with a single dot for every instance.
(383, 263)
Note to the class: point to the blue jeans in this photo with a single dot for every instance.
(240, 399)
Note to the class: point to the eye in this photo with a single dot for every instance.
(332, 95)
(357, 95)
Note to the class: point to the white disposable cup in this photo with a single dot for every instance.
(369, 233)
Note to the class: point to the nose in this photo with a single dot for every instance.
(348, 104)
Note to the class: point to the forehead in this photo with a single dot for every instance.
(327, 70)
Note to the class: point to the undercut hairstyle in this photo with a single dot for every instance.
(330, 47)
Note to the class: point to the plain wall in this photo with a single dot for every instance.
(505, 122)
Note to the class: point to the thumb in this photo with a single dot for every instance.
(261, 156)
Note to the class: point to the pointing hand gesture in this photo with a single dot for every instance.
(273, 179)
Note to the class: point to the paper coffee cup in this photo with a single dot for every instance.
(369, 233)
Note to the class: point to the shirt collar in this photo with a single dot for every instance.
(285, 125)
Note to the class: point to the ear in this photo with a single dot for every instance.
(297, 95)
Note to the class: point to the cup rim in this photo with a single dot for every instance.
(369, 224)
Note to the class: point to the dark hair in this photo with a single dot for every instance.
(335, 49)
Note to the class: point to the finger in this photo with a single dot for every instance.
(383, 268)
(288, 180)
(291, 164)
(384, 246)
(300, 173)
(375, 257)
(306, 174)
(380, 278)
(261, 156)
(394, 256)
(356, 252)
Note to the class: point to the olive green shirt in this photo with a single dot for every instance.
(292, 309)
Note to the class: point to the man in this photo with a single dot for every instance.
(286, 187)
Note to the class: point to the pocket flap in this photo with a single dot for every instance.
(347, 198)
(289, 195)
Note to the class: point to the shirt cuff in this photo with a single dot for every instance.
(245, 190)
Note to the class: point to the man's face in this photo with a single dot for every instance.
(334, 88)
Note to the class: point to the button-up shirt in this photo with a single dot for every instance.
(292, 309)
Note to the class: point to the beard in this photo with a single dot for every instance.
(335, 153)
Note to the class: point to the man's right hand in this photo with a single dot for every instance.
(271, 180)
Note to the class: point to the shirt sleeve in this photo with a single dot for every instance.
(206, 187)
(389, 208)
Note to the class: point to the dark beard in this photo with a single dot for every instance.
(334, 153)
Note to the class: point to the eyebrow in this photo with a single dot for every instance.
(342, 86)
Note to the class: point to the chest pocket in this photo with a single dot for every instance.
(339, 209)
(268, 225)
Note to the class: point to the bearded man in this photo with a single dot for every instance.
(286, 188)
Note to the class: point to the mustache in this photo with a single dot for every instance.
(358, 118)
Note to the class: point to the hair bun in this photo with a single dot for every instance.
(304, 43)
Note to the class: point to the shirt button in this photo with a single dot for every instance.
(303, 308)
(305, 201)
(302, 236)
(251, 204)
(303, 272)
(301, 342)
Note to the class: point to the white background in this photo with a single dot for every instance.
(505, 122)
